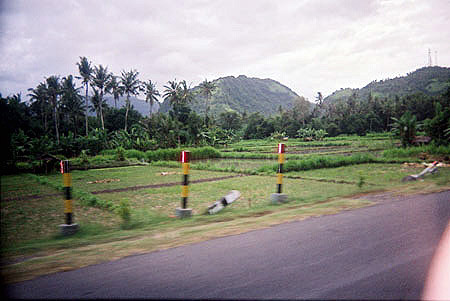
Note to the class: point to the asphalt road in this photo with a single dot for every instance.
(377, 252)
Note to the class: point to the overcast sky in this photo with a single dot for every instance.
(309, 46)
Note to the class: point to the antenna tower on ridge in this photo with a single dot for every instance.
(435, 58)
(429, 58)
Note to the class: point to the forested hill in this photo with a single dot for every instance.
(138, 104)
(428, 80)
(243, 94)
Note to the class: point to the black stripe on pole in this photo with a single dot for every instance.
(68, 218)
(185, 180)
(185, 158)
(281, 150)
(67, 181)
(68, 193)
(280, 168)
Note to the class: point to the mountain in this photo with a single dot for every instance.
(138, 104)
(243, 94)
(428, 80)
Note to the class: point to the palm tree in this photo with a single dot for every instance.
(95, 100)
(206, 88)
(85, 69)
(40, 103)
(71, 102)
(186, 95)
(150, 94)
(171, 93)
(100, 80)
(405, 127)
(115, 89)
(53, 91)
(130, 86)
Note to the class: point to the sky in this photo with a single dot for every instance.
(308, 45)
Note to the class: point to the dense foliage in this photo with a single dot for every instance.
(430, 81)
(58, 120)
(242, 94)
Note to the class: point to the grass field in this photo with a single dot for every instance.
(32, 206)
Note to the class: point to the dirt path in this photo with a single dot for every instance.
(40, 196)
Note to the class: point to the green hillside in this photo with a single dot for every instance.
(244, 94)
(428, 80)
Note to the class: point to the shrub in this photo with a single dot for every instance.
(84, 159)
(173, 154)
(120, 154)
(361, 182)
(316, 162)
(431, 149)
(124, 211)
(133, 153)
(405, 128)
(309, 134)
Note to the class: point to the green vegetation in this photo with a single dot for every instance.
(126, 174)
(417, 150)
(428, 80)
(56, 121)
(242, 94)
(316, 162)
(405, 128)
(130, 209)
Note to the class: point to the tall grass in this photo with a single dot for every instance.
(416, 150)
(316, 162)
(173, 154)
(248, 155)
(169, 154)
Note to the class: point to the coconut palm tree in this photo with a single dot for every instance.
(206, 88)
(115, 89)
(100, 81)
(171, 93)
(71, 101)
(130, 86)
(85, 69)
(40, 104)
(150, 94)
(186, 95)
(95, 101)
(53, 92)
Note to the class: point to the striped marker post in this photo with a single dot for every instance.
(279, 197)
(184, 211)
(281, 148)
(69, 227)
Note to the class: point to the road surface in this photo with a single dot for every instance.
(377, 252)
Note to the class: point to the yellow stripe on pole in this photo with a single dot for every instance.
(67, 180)
(281, 158)
(184, 191)
(280, 178)
(185, 168)
(68, 206)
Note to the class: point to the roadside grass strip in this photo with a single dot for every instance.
(376, 174)
(152, 239)
(322, 161)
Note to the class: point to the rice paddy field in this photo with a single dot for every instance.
(322, 177)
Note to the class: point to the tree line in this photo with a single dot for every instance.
(57, 119)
